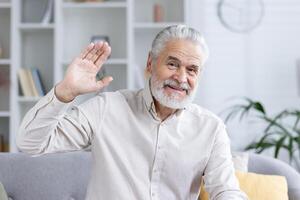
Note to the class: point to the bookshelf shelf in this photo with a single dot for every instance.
(28, 99)
(4, 114)
(151, 25)
(35, 26)
(5, 5)
(4, 62)
(70, 5)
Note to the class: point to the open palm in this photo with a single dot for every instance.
(81, 74)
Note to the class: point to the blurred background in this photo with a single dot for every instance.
(254, 53)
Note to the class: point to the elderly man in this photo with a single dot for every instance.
(147, 144)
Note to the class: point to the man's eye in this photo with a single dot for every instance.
(192, 71)
(172, 64)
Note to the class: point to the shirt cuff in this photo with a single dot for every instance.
(51, 104)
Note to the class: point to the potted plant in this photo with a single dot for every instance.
(281, 131)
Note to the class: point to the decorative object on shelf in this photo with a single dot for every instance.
(98, 38)
(1, 50)
(49, 13)
(4, 77)
(4, 147)
(241, 16)
(1, 143)
(158, 13)
(281, 131)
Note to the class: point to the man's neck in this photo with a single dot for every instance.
(163, 112)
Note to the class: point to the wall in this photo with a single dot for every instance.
(260, 64)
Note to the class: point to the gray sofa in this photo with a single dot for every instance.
(65, 176)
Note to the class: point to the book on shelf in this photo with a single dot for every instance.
(3, 146)
(38, 81)
(1, 143)
(31, 82)
(24, 82)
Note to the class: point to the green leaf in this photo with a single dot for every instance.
(297, 114)
(297, 140)
(259, 107)
(279, 145)
(290, 148)
(256, 105)
(262, 139)
(275, 124)
(260, 147)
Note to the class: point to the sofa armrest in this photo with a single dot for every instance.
(266, 165)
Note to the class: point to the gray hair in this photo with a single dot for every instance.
(178, 32)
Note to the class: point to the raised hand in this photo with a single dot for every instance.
(80, 77)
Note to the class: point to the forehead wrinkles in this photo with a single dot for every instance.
(185, 58)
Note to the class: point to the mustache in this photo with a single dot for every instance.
(170, 82)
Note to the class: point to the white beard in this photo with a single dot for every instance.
(173, 101)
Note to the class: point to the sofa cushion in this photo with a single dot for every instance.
(258, 186)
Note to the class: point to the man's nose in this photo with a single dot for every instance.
(181, 75)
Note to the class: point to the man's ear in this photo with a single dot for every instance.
(149, 63)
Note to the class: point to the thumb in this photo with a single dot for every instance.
(104, 82)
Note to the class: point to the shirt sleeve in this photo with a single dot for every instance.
(53, 126)
(219, 175)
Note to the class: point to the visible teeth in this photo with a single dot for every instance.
(175, 88)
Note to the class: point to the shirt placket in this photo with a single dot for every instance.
(157, 166)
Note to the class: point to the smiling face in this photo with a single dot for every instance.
(175, 73)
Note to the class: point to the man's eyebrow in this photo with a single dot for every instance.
(173, 58)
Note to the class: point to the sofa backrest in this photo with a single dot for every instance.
(61, 176)
(64, 176)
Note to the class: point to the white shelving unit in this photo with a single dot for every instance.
(51, 47)
(5, 72)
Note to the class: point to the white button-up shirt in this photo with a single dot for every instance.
(136, 156)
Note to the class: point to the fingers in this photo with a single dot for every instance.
(93, 53)
(98, 47)
(103, 57)
(85, 52)
(104, 82)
